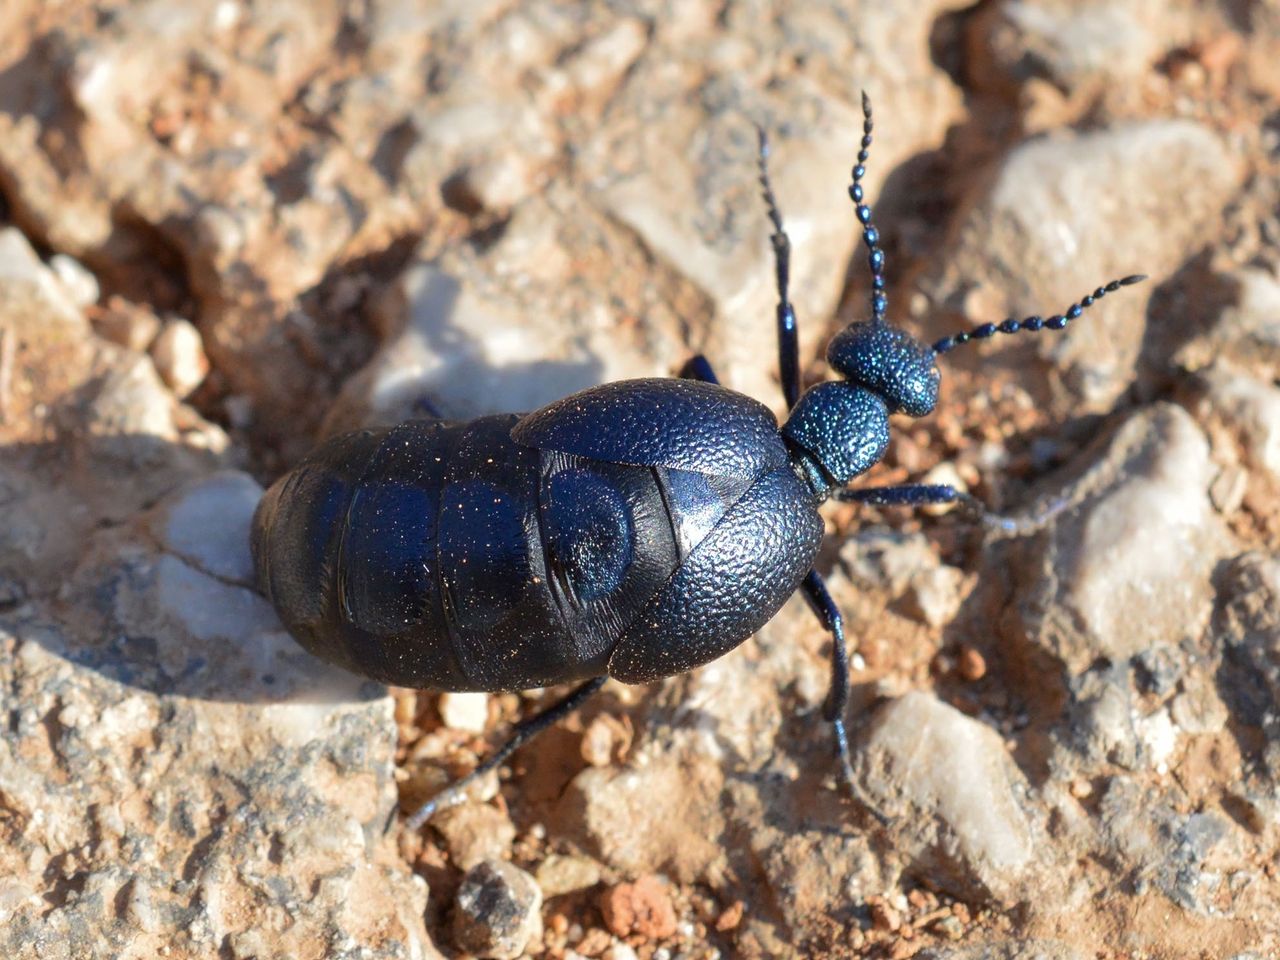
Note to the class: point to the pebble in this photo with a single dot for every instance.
(1250, 409)
(130, 325)
(642, 908)
(178, 353)
(81, 285)
(606, 740)
(1072, 47)
(934, 595)
(468, 712)
(971, 664)
(476, 832)
(562, 873)
(497, 911)
(1250, 623)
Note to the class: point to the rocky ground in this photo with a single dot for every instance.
(228, 227)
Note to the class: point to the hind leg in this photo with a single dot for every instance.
(521, 733)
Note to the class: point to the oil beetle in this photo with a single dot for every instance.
(636, 530)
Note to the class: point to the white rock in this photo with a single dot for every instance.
(178, 353)
(465, 711)
(207, 524)
(80, 284)
(1130, 567)
(954, 798)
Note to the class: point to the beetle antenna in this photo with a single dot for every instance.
(788, 346)
(1056, 322)
(875, 256)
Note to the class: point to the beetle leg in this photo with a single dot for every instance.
(698, 367)
(788, 349)
(521, 733)
(926, 494)
(815, 591)
(424, 408)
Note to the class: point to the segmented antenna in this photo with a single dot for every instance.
(788, 339)
(781, 243)
(1056, 322)
(875, 256)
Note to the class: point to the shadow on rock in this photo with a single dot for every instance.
(129, 555)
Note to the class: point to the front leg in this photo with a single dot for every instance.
(698, 367)
(928, 494)
(833, 711)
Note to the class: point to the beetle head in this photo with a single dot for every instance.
(840, 429)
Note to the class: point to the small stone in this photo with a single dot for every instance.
(594, 942)
(643, 908)
(559, 874)
(731, 916)
(948, 474)
(494, 184)
(1158, 737)
(934, 596)
(620, 951)
(1157, 670)
(80, 284)
(606, 740)
(128, 324)
(1228, 489)
(1250, 409)
(1141, 547)
(949, 927)
(468, 712)
(130, 401)
(883, 916)
(497, 911)
(476, 832)
(971, 665)
(661, 815)
(178, 353)
(1072, 47)
(887, 559)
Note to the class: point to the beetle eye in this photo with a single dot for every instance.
(889, 362)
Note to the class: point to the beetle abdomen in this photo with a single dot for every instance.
(446, 555)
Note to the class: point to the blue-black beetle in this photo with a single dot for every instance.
(635, 530)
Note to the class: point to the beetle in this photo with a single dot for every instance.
(636, 530)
